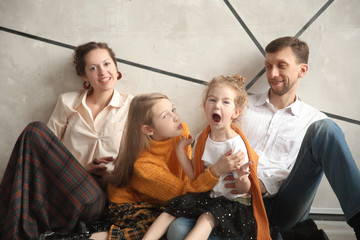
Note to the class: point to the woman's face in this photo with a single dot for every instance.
(100, 70)
(166, 121)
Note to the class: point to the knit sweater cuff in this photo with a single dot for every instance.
(212, 176)
(208, 178)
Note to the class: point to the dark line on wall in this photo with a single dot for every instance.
(60, 44)
(298, 34)
(254, 80)
(26, 35)
(302, 30)
(345, 119)
(334, 116)
(190, 79)
(236, 15)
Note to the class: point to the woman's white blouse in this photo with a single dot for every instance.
(87, 138)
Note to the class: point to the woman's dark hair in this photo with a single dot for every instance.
(81, 51)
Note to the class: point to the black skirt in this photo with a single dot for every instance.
(234, 219)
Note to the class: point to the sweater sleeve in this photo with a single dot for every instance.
(162, 185)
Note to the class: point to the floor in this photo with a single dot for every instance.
(336, 230)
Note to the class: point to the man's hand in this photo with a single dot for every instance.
(230, 177)
(231, 185)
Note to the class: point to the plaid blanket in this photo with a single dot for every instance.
(131, 220)
(44, 188)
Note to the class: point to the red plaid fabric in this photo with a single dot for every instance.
(45, 188)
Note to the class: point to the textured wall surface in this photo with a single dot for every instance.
(172, 47)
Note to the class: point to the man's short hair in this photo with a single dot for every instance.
(300, 48)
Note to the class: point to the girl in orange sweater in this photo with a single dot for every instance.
(147, 173)
(234, 216)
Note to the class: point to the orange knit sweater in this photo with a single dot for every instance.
(263, 231)
(158, 176)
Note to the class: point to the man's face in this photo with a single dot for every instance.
(283, 71)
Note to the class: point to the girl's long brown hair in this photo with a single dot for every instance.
(134, 141)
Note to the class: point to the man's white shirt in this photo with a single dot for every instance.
(276, 136)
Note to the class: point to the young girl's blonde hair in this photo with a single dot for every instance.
(134, 141)
(236, 82)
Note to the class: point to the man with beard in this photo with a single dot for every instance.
(296, 145)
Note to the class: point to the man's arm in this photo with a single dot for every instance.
(262, 187)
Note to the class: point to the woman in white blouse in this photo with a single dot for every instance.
(49, 182)
(90, 122)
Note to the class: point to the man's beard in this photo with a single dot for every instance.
(286, 87)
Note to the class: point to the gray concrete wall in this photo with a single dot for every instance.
(171, 45)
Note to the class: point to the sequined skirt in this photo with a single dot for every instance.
(234, 219)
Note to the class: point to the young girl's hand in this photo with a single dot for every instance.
(228, 163)
(243, 171)
(185, 141)
(242, 181)
(183, 158)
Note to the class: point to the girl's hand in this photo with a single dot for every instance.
(183, 158)
(243, 171)
(228, 163)
(97, 166)
(185, 141)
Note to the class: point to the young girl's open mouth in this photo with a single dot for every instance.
(216, 118)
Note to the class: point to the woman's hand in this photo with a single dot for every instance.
(98, 167)
(228, 163)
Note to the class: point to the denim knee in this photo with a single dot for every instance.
(324, 127)
(180, 228)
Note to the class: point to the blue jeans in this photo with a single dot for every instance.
(324, 150)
